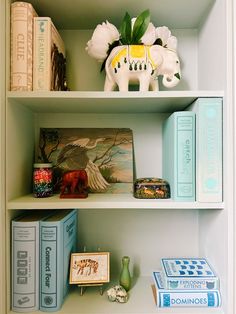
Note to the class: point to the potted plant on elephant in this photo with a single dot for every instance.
(137, 54)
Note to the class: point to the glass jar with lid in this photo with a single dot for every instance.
(42, 180)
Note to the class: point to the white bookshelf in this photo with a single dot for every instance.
(146, 230)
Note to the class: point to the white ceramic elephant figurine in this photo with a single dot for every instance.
(141, 64)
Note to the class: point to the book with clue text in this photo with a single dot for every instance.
(22, 34)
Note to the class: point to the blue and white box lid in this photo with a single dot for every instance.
(187, 267)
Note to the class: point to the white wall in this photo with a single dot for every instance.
(212, 49)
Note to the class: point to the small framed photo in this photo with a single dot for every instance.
(90, 268)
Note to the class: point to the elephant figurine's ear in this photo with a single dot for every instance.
(162, 35)
(172, 43)
(165, 39)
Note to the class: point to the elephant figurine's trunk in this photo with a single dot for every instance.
(170, 82)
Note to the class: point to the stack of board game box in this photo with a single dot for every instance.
(42, 242)
(186, 282)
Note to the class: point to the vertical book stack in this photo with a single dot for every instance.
(186, 282)
(42, 242)
(192, 152)
(38, 60)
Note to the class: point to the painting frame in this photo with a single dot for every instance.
(89, 268)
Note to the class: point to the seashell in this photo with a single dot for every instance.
(118, 294)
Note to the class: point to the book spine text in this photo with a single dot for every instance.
(189, 299)
(25, 267)
(209, 151)
(42, 57)
(185, 144)
(22, 15)
(48, 267)
(179, 155)
(191, 283)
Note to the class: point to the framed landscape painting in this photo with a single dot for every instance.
(106, 154)
(90, 268)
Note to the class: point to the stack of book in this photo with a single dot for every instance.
(38, 60)
(186, 282)
(192, 152)
(42, 243)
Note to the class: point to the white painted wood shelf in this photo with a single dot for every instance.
(102, 201)
(141, 301)
(108, 102)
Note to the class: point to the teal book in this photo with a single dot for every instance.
(209, 166)
(25, 261)
(57, 241)
(178, 157)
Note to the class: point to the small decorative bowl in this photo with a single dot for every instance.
(151, 188)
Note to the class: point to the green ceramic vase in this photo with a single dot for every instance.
(125, 278)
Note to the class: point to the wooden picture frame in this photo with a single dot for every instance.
(90, 268)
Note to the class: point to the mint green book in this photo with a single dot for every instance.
(209, 129)
(178, 158)
(57, 241)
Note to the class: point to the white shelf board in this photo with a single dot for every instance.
(87, 14)
(108, 102)
(102, 201)
(141, 301)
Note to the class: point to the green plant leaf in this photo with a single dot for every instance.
(125, 30)
(140, 26)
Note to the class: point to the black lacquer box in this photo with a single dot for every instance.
(151, 188)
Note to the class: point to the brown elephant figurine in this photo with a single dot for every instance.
(74, 184)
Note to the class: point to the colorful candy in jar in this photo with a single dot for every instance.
(42, 180)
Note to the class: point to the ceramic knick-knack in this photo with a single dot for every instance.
(125, 278)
